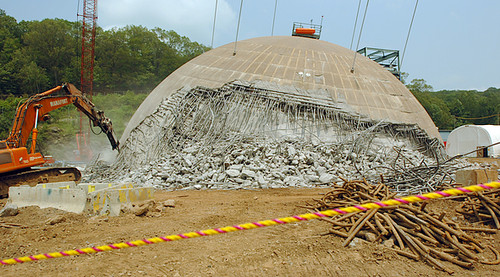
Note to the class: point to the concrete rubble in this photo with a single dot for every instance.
(9, 210)
(255, 135)
(254, 163)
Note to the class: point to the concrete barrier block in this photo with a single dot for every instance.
(99, 203)
(109, 201)
(91, 187)
(90, 198)
(70, 200)
(135, 194)
(476, 176)
(66, 185)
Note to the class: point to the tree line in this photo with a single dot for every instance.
(453, 108)
(38, 55)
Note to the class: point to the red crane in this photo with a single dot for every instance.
(89, 18)
(88, 45)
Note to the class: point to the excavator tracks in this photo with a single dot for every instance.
(33, 177)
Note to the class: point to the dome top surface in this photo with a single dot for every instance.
(309, 65)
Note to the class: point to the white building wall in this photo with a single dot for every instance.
(468, 138)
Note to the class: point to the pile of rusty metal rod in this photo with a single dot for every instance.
(412, 230)
(406, 175)
(482, 207)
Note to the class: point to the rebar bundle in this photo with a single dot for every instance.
(412, 230)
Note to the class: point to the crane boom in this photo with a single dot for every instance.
(89, 18)
(88, 45)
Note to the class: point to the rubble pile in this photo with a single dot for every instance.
(255, 162)
(254, 135)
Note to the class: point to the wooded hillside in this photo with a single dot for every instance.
(452, 108)
(38, 55)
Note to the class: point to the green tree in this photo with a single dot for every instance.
(461, 106)
(7, 110)
(33, 78)
(183, 45)
(404, 76)
(38, 55)
(10, 42)
(435, 107)
(419, 86)
(136, 58)
(53, 45)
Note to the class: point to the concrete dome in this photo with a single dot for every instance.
(304, 63)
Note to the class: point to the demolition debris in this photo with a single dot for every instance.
(251, 135)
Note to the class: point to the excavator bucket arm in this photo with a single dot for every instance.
(97, 117)
(39, 105)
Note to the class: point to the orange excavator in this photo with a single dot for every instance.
(16, 162)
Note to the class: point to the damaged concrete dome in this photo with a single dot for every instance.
(310, 65)
(282, 111)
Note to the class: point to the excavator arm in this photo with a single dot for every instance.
(38, 106)
(17, 164)
(97, 117)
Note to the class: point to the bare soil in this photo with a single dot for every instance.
(298, 249)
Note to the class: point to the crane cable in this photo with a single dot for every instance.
(274, 17)
(77, 9)
(237, 29)
(213, 28)
(408, 36)
(359, 37)
(355, 24)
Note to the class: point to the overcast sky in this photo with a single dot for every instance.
(453, 44)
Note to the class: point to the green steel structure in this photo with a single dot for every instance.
(387, 58)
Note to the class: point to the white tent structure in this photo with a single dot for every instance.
(468, 138)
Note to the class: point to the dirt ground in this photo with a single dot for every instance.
(297, 249)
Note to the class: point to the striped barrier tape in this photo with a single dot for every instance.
(252, 225)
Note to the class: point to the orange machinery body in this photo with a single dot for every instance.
(18, 158)
(14, 154)
(17, 161)
(305, 31)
